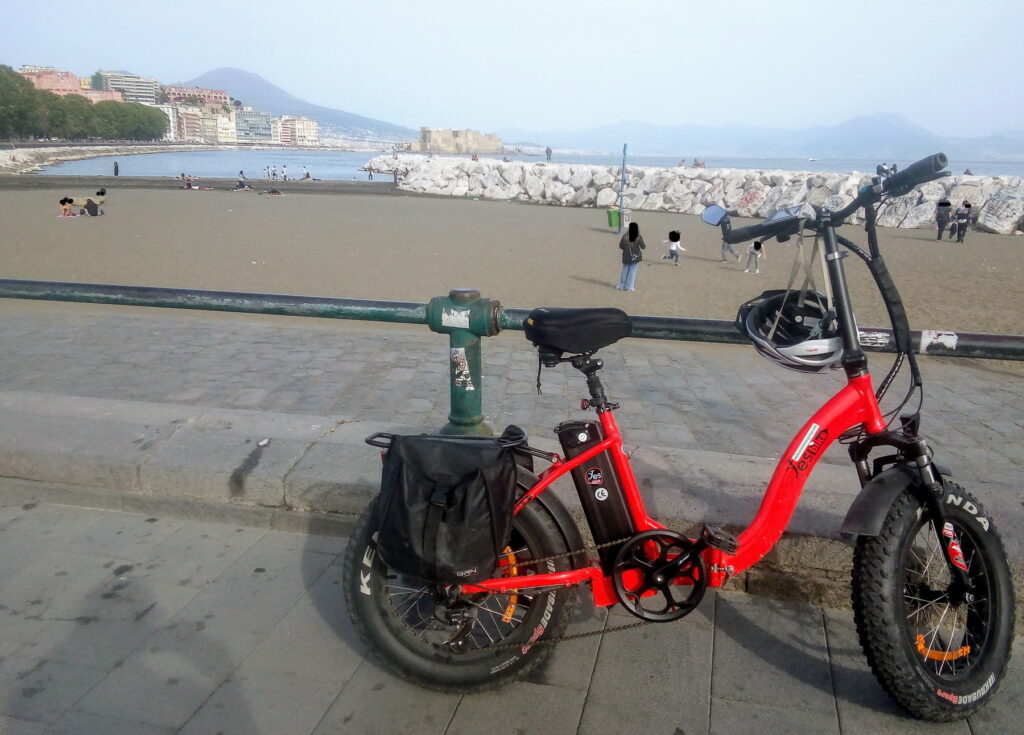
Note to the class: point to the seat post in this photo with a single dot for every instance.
(589, 367)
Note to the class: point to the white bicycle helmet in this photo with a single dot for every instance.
(796, 329)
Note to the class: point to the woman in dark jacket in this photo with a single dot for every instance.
(943, 213)
(631, 246)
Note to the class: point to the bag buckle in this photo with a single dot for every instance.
(439, 498)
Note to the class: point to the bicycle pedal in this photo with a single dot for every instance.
(717, 538)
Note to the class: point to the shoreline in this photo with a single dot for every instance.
(30, 160)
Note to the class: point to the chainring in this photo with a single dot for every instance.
(657, 578)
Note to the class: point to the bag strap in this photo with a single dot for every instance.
(435, 512)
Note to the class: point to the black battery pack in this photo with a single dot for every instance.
(598, 487)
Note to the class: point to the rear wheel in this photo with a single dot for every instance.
(940, 654)
(458, 642)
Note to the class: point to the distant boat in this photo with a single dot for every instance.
(812, 159)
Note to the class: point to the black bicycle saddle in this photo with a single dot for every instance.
(576, 331)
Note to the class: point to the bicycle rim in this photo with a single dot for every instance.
(948, 640)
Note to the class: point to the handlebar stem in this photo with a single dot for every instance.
(854, 362)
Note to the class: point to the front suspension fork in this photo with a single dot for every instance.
(931, 490)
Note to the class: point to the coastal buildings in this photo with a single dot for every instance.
(194, 95)
(172, 134)
(66, 82)
(194, 114)
(300, 132)
(132, 87)
(252, 126)
(444, 140)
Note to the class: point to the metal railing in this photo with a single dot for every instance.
(466, 317)
(929, 342)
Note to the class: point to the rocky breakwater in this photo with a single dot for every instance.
(997, 200)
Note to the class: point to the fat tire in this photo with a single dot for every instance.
(880, 610)
(442, 670)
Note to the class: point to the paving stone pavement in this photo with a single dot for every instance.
(715, 402)
(117, 623)
(113, 622)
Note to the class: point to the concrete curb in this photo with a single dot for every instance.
(314, 474)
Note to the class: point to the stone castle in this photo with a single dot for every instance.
(443, 140)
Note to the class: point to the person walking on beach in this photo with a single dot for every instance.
(116, 169)
(273, 173)
(547, 152)
(631, 246)
(674, 246)
(754, 252)
(728, 248)
(962, 218)
(943, 212)
(284, 172)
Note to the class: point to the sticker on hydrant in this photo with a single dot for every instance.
(457, 318)
(460, 369)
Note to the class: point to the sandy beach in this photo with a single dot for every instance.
(410, 248)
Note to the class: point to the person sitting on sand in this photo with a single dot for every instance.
(65, 207)
(82, 202)
(91, 208)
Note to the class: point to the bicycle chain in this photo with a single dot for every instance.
(557, 639)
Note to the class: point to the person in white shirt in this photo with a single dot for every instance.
(674, 247)
(754, 253)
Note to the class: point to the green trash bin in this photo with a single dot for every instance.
(613, 218)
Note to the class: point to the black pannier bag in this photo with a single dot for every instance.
(445, 510)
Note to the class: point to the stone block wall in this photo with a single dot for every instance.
(998, 200)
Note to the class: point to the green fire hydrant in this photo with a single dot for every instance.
(465, 318)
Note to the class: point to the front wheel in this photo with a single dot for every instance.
(940, 654)
(438, 640)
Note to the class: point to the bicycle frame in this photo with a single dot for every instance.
(854, 405)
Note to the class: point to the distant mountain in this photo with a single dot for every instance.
(252, 89)
(880, 137)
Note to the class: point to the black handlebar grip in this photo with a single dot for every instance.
(789, 225)
(927, 169)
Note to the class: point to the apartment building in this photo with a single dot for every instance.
(187, 94)
(300, 132)
(133, 87)
(253, 126)
(65, 82)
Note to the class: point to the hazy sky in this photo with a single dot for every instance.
(952, 67)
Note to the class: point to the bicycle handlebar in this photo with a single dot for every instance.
(919, 172)
(925, 170)
(785, 226)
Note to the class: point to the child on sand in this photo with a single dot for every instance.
(754, 252)
(674, 247)
(65, 207)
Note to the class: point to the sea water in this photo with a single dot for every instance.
(345, 166)
(222, 164)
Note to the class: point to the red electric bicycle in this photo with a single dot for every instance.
(932, 592)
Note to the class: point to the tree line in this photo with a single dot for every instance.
(27, 112)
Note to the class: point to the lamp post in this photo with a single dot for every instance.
(622, 188)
